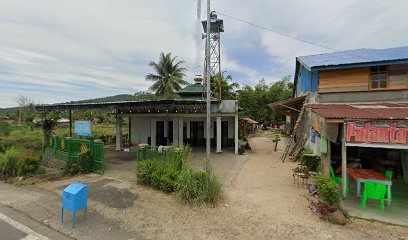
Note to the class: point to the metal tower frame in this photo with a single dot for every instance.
(217, 26)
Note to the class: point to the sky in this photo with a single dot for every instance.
(58, 51)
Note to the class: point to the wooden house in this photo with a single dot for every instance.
(347, 107)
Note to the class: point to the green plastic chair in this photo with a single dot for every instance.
(374, 191)
(338, 180)
(388, 174)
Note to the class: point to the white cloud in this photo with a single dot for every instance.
(102, 47)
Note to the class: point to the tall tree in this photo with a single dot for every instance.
(169, 75)
(222, 88)
(254, 100)
(23, 102)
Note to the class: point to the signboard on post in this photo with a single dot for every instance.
(376, 133)
(83, 128)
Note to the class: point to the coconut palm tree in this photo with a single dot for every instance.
(169, 75)
(221, 88)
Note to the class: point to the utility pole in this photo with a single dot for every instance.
(208, 90)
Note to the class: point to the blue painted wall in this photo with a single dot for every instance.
(306, 81)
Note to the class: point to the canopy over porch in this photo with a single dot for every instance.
(375, 132)
(178, 111)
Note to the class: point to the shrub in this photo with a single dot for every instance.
(158, 174)
(80, 164)
(85, 162)
(310, 161)
(198, 186)
(71, 167)
(41, 170)
(327, 190)
(4, 129)
(8, 162)
(27, 163)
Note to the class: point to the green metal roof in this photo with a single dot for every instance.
(193, 89)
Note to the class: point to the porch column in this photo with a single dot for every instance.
(153, 126)
(236, 134)
(218, 150)
(175, 131)
(70, 122)
(180, 131)
(130, 131)
(118, 133)
(166, 128)
(188, 128)
(325, 156)
(344, 163)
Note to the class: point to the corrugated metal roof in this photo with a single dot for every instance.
(390, 111)
(192, 89)
(354, 57)
(249, 120)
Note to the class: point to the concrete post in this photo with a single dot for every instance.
(118, 133)
(344, 164)
(325, 156)
(188, 129)
(180, 131)
(218, 135)
(236, 134)
(166, 128)
(175, 131)
(153, 132)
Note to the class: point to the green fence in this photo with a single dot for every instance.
(64, 149)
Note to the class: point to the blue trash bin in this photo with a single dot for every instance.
(74, 198)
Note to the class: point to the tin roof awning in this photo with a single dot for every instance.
(339, 112)
(248, 120)
(289, 107)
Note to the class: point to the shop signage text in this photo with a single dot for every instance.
(376, 132)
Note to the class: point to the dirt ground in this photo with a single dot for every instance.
(261, 202)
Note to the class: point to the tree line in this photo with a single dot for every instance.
(168, 78)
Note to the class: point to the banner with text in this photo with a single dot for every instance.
(389, 134)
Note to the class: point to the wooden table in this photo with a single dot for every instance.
(369, 175)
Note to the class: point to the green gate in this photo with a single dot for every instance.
(64, 149)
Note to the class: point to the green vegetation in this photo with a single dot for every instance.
(4, 129)
(310, 161)
(198, 186)
(254, 100)
(169, 75)
(221, 87)
(158, 174)
(13, 162)
(173, 174)
(82, 164)
(328, 190)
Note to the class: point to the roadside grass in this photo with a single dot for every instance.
(175, 175)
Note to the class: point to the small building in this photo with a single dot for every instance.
(171, 122)
(351, 109)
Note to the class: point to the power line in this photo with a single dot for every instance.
(276, 32)
(292, 37)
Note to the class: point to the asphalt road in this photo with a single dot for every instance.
(16, 226)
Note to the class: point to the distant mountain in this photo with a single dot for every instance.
(115, 98)
(128, 97)
(6, 110)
